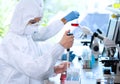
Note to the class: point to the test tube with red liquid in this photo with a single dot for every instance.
(75, 24)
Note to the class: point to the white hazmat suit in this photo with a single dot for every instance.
(21, 59)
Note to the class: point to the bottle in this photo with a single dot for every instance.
(75, 29)
(86, 55)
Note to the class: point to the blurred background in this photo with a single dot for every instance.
(52, 8)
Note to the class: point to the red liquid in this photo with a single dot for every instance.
(74, 24)
(63, 78)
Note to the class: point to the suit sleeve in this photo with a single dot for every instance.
(49, 31)
(36, 67)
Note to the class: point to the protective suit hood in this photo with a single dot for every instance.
(24, 12)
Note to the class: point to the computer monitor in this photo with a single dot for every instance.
(93, 21)
(113, 32)
(96, 21)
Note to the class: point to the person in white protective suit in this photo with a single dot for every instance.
(21, 58)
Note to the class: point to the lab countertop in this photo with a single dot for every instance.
(87, 76)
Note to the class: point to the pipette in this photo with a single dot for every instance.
(64, 74)
(68, 51)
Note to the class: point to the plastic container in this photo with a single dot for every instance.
(86, 55)
(73, 76)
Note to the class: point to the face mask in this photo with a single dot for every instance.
(31, 28)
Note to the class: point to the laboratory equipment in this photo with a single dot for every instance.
(68, 50)
(94, 45)
(71, 56)
(113, 30)
(112, 60)
(87, 58)
(111, 41)
(106, 80)
(64, 74)
(73, 76)
(81, 31)
(95, 21)
(114, 34)
(74, 28)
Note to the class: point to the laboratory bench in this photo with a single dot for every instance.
(87, 76)
(92, 75)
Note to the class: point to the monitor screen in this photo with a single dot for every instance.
(96, 21)
(113, 30)
(93, 21)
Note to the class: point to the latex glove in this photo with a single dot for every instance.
(71, 57)
(71, 16)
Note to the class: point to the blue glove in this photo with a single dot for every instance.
(71, 16)
(71, 57)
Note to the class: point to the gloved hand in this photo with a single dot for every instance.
(71, 16)
(71, 57)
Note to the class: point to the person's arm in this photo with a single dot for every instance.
(54, 27)
(60, 68)
(47, 32)
(64, 20)
(66, 42)
(32, 66)
(18, 56)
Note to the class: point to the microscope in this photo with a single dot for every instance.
(112, 48)
(111, 62)
(94, 44)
